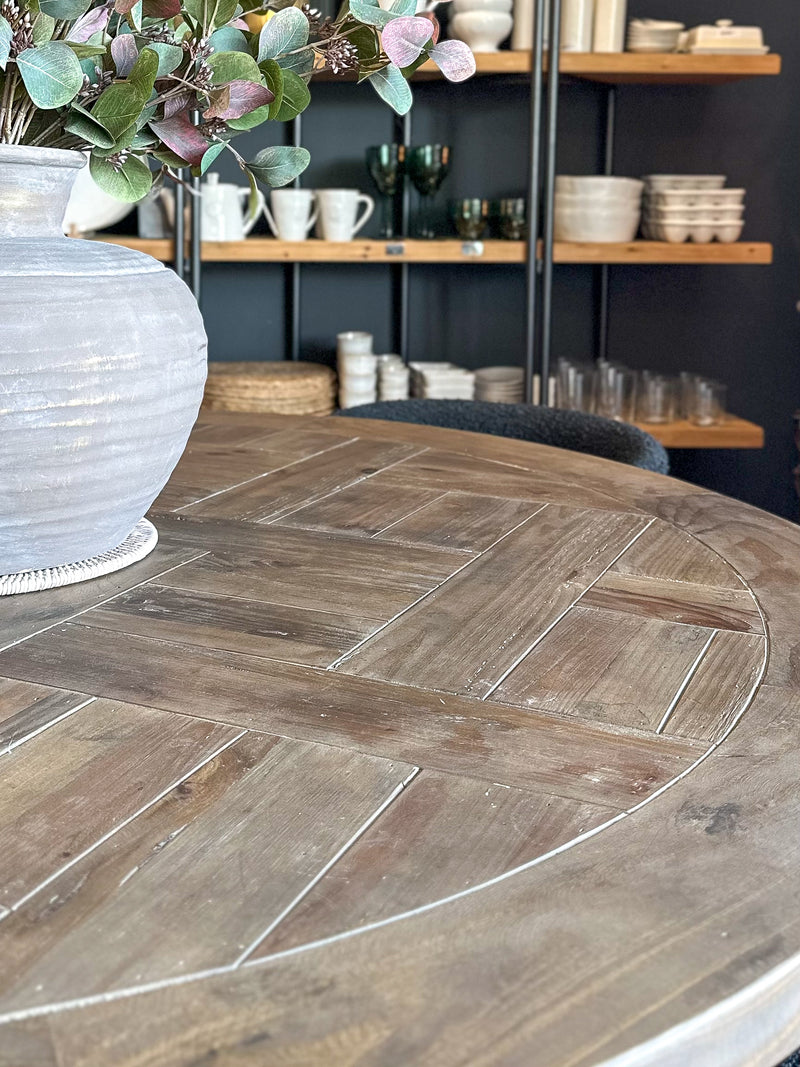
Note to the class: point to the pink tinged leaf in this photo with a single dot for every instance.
(179, 134)
(239, 24)
(161, 9)
(175, 104)
(242, 98)
(91, 22)
(435, 22)
(124, 53)
(454, 60)
(404, 38)
(124, 6)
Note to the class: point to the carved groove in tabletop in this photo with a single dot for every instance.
(26, 710)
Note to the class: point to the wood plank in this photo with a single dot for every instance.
(406, 860)
(428, 729)
(28, 614)
(647, 253)
(313, 571)
(203, 899)
(721, 688)
(363, 509)
(696, 605)
(63, 791)
(474, 629)
(27, 1044)
(26, 710)
(673, 555)
(732, 433)
(460, 520)
(607, 667)
(448, 471)
(668, 68)
(274, 631)
(287, 490)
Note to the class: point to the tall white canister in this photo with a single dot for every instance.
(609, 25)
(577, 24)
(522, 34)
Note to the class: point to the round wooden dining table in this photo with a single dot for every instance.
(407, 746)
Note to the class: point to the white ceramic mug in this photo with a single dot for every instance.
(293, 214)
(337, 213)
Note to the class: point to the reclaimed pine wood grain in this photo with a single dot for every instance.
(26, 710)
(403, 862)
(460, 520)
(71, 785)
(364, 509)
(675, 556)
(290, 488)
(225, 879)
(274, 631)
(406, 723)
(697, 605)
(474, 629)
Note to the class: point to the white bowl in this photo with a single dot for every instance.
(483, 31)
(600, 226)
(659, 182)
(602, 200)
(463, 6)
(598, 185)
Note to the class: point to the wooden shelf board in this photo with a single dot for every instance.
(269, 250)
(733, 433)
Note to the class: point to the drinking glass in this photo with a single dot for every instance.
(707, 406)
(470, 218)
(511, 219)
(386, 165)
(576, 386)
(428, 165)
(616, 392)
(656, 398)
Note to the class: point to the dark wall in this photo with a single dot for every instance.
(740, 324)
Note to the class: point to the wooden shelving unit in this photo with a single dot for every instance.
(618, 68)
(732, 433)
(269, 250)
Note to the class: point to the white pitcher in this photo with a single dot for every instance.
(222, 210)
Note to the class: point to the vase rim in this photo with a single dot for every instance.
(34, 155)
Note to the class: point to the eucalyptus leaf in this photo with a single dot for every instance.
(51, 74)
(128, 183)
(135, 16)
(170, 57)
(286, 31)
(299, 62)
(124, 53)
(279, 165)
(255, 197)
(118, 107)
(94, 21)
(65, 10)
(6, 34)
(86, 51)
(391, 86)
(210, 155)
(404, 7)
(209, 14)
(169, 158)
(161, 9)
(43, 29)
(233, 66)
(228, 39)
(273, 76)
(143, 75)
(296, 97)
(84, 125)
(367, 44)
(371, 13)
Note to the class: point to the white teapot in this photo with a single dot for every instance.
(222, 210)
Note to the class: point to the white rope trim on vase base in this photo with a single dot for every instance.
(139, 543)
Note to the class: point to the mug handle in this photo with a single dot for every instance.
(270, 220)
(250, 221)
(314, 213)
(370, 207)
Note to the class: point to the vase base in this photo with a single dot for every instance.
(139, 543)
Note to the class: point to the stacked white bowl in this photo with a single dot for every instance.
(357, 368)
(653, 35)
(597, 208)
(442, 381)
(483, 24)
(500, 385)
(692, 207)
(393, 378)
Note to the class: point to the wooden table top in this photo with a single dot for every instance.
(407, 747)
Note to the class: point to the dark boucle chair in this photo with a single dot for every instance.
(546, 426)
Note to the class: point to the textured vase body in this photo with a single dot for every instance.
(102, 365)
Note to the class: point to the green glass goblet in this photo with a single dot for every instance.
(470, 218)
(428, 165)
(386, 165)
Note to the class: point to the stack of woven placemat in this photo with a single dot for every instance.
(277, 388)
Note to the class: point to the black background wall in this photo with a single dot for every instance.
(740, 324)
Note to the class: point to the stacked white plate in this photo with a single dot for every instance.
(500, 385)
(692, 207)
(597, 209)
(653, 35)
(442, 381)
(393, 378)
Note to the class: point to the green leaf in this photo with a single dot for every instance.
(204, 12)
(210, 155)
(86, 51)
(367, 43)
(43, 29)
(164, 155)
(6, 34)
(286, 31)
(143, 75)
(129, 183)
(254, 199)
(403, 7)
(118, 108)
(299, 62)
(273, 76)
(391, 86)
(296, 97)
(85, 125)
(134, 16)
(279, 165)
(51, 74)
(67, 10)
(170, 57)
(229, 39)
(370, 13)
(233, 66)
